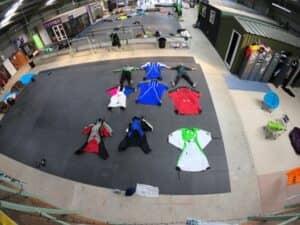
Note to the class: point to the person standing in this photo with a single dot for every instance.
(115, 40)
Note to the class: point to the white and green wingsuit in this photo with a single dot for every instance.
(191, 141)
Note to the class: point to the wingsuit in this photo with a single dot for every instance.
(192, 142)
(182, 73)
(118, 96)
(136, 135)
(186, 101)
(151, 92)
(94, 144)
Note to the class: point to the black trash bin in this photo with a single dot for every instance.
(31, 63)
(162, 42)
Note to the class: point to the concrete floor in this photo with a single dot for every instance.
(257, 182)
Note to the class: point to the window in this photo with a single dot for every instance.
(204, 11)
(212, 16)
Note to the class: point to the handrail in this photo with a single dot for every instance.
(33, 209)
(52, 218)
(20, 192)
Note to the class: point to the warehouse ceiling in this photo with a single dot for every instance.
(28, 8)
(15, 11)
(293, 5)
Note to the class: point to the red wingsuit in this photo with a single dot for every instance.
(186, 101)
(94, 144)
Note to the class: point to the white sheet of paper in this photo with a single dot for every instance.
(147, 191)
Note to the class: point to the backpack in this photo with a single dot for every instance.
(295, 139)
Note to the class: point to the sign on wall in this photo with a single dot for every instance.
(52, 23)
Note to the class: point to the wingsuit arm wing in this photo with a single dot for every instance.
(146, 125)
(105, 130)
(118, 70)
(204, 137)
(189, 68)
(145, 65)
(87, 129)
(133, 68)
(175, 139)
(129, 90)
(163, 66)
(128, 128)
(112, 91)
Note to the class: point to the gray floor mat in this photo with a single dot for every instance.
(47, 120)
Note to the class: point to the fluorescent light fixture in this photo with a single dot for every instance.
(50, 2)
(10, 13)
(281, 7)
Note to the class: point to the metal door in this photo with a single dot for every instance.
(232, 48)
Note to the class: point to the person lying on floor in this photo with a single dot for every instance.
(95, 144)
(182, 73)
(126, 72)
(153, 70)
(136, 135)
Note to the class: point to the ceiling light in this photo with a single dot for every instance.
(281, 7)
(50, 2)
(10, 13)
